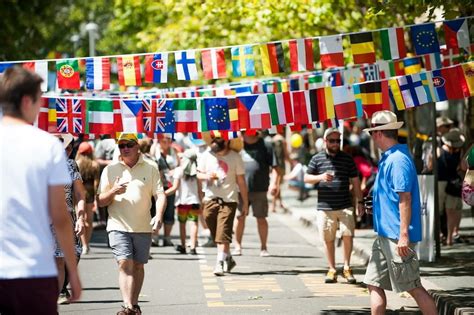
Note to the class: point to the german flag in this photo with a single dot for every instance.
(371, 97)
(273, 59)
(322, 104)
(363, 49)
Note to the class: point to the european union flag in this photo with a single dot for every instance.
(216, 114)
(425, 39)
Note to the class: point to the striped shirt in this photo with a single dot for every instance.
(333, 195)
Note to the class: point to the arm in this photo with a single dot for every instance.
(358, 194)
(275, 185)
(173, 188)
(316, 179)
(160, 205)
(405, 217)
(80, 197)
(243, 193)
(107, 197)
(62, 225)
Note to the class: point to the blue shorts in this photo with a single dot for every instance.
(134, 246)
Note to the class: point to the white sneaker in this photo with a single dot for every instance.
(85, 250)
(237, 252)
(219, 268)
(264, 253)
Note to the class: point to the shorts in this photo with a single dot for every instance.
(168, 216)
(29, 296)
(259, 203)
(330, 221)
(188, 212)
(134, 246)
(219, 217)
(388, 271)
(452, 202)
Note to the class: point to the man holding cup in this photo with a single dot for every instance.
(332, 171)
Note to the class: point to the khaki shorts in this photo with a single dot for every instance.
(330, 221)
(452, 202)
(259, 203)
(388, 271)
(219, 217)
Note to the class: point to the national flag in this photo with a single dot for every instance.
(99, 117)
(448, 84)
(118, 126)
(132, 115)
(333, 77)
(213, 63)
(456, 33)
(243, 63)
(363, 49)
(156, 68)
(214, 114)
(68, 74)
(301, 107)
(97, 73)
(352, 75)
(412, 65)
(233, 114)
(468, 73)
(371, 97)
(314, 81)
(42, 120)
(371, 72)
(52, 116)
(450, 58)
(158, 116)
(425, 39)
(322, 104)
(129, 71)
(69, 115)
(393, 43)
(410, 91)
(432, 61)
(186, 65)
(391, 68)
(5, 65)
(281, 110)
(186, 114)
(301, 54)
(344, 102)
(273, 60)
(254, 112)
(330, 48)
(40, 68)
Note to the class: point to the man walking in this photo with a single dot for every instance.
(393, 264)
(32, 189)
(126, 187)
(258, 159)
(333, 171)
(222, 171)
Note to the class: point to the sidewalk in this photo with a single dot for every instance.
(450, 280)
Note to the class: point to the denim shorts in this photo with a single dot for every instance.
(134, 246)
(388, 271)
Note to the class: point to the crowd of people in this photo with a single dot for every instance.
(137, 186)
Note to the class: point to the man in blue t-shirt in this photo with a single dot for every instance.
(393, 264)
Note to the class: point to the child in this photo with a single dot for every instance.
(296, 177)
(188, 199)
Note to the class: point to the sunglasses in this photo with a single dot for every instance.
(334, 140)
(129, 145)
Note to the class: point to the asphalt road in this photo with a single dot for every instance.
(291, 281)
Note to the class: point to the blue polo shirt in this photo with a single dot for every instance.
(396, 174)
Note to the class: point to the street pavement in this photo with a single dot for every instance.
(291, 281)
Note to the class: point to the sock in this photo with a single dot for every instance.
(221, 256)
(347, 267)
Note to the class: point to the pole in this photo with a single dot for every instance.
(434, 154)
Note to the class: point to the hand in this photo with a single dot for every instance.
(325, 177)
(273, 189)
(118, 188)
(245, 210)
(75, 284)
(80, 227)
(360, 210)
(402, 247)
(212, 176)
(157, 223)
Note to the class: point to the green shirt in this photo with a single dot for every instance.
(470, 157)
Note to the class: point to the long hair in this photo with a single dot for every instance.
(87, 167)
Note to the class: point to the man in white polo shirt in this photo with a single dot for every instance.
(126, 188)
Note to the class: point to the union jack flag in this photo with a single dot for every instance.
(158, 116)
(69, 115)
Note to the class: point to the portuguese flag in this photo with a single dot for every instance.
(68, 74)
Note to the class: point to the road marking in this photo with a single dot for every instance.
(251, 284)
(315, 284)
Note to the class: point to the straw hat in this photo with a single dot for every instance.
(384, 120)
(454, 138)
(330, 131)
(235, 144)
(65, 138)
(443, 121)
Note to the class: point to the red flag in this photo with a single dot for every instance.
(301, 55)
(213, 63)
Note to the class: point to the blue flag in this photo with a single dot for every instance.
(215, 114)
(243, 64)
(425, 39)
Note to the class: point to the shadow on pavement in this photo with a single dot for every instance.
(100, 289)
(364, 311)
(448, 301)
(99, 302)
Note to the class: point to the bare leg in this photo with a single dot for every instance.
(168, 228)
(194, 234)
(450, 215)
(378, 300)
(424, 300)
(330, 249)
(347, 240)
(86, 236)
(61, 272)
(126, 281)
(138, 276)
(239, 226)
(457, 221)
(182, 233)
(262, 226)
(224, 248)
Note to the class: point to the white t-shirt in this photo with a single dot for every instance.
(31, 160)
(187, 193)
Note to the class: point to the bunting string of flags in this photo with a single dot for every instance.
(424, 39)
(231, 113)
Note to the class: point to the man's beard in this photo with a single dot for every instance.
(333, 150)
(217, 146)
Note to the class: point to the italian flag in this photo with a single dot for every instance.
(186, 115)
(393, 43)
(280, 108)
(99, 117)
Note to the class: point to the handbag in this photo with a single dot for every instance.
(468, 188)
(454, 187)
